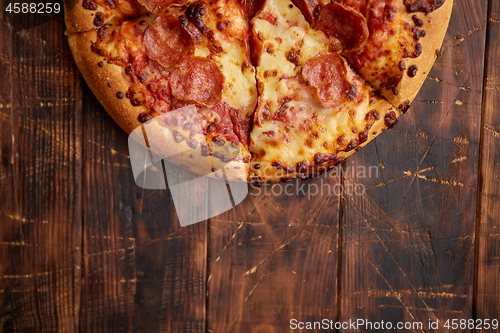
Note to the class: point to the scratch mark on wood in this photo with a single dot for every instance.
(429, 239)
(434, 102)
(254, 287)
(422, 161)
(230, 241)
(234, 321)
(435, 78)
(289, 240)
(387, 182)
(462, 37)
(38, 274)
(405, 293)
(113, 237)
(493, 20)
(491, 130)
(384, 244)
(108, 149)
(258, 204)
(435, 180)
(493, 83)
(419, 309)
(461, 139)
(25, 220)
(420, 172)
(459, 159)
(378, 159)
(397, 296)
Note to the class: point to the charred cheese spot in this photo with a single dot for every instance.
(89, 5)
(412, 70)
(390, 119)
(99, 19)
(404, 107)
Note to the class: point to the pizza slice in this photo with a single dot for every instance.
(313, 109)
(197, 55)
(391, 43)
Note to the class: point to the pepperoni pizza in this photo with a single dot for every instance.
(281, 88)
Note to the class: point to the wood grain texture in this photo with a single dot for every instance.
(40, 135)
(408, 245)
(488, 284)
(83, 248)
(141, 271)
(274, 258)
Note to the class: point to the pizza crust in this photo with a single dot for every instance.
(435, 26)
(77, 18)
(106, 82)
(86, 15)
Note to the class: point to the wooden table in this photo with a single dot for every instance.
(82, 248)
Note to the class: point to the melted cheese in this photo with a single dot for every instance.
(288, 32)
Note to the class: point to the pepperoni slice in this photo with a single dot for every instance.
(199, 81)
(156, 6)
(167, 41)
(345, 24)
(251, 7)
(326, 75)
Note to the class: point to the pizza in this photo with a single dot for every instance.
(256, 90)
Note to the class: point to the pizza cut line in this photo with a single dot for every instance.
(281, 89)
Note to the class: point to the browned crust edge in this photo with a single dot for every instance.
(79, 19)
(269, 173)
(435, 25)
(106, 81)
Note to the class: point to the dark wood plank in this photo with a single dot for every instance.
(274, 258)
(40, 177)
(141, 271)
(488, 284)
(408, 245)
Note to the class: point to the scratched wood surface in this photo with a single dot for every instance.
(408, 244)
(83, 249)
(40, 176)
(275, 258)
(140, 272)
(488, 263)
